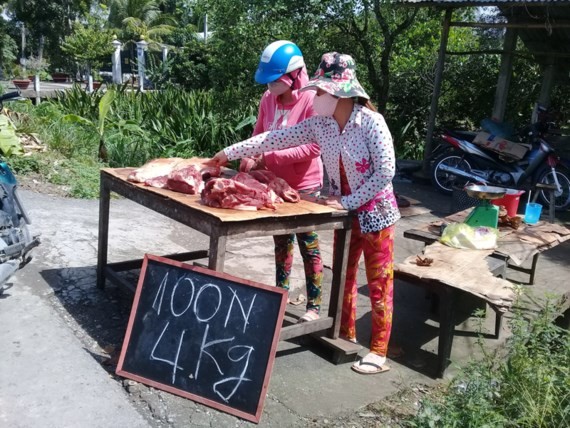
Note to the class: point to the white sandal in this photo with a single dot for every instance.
(371, 364)
(310, 315)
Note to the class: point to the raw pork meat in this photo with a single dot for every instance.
(188, 176)
(154, 173)
(242, 192)
(246, 164)
(277, 184)
(180, 175)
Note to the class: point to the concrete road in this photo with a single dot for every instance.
(58, 330)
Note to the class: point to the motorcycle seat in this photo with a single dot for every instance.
(462, 135)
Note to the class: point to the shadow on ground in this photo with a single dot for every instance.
(101, 317)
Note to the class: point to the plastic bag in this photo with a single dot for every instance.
(461, 235)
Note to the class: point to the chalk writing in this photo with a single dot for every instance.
(210, 336)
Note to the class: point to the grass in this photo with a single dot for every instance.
(139, 127)
(71, 158)
(526, 386)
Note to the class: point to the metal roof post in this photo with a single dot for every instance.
(505, 73)
(436, 89)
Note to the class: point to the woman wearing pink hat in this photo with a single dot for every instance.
(282, 68)
(358, 153)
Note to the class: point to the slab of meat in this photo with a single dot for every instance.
(177, 174)
(188, 176)
(242, 192)
(155, 172)
(246, 164)
(277, 184)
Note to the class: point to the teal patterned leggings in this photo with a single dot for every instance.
(309, 247)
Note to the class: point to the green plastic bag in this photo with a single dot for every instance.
(461, 235)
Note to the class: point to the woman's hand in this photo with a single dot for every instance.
(334, 202)
(220, 159)
(330, 201)
(249, 164)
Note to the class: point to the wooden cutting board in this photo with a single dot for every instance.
(193, 201)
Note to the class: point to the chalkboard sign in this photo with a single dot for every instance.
(203, 335)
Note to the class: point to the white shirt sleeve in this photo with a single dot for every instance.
(299, 134)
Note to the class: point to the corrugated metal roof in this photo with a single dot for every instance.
(539, 41)
(461, 3)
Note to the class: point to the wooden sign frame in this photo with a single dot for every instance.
(121, 371)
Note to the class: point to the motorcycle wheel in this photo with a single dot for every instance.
(562, 198)
(445, 181)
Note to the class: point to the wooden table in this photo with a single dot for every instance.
(528, 241)
(513, 246)
(221, 224)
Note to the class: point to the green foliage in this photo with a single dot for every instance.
(36, 65)
(9, 141)
(529, 388)
(190, 67)
(141, 126)
(8, 52)
(138, 19)
(90, 43)
(46, 119)
(47, 21)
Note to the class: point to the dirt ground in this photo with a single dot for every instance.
(36, 183)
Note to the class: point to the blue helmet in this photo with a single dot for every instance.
(279, 58)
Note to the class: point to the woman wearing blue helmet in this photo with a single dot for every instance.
(282, 69)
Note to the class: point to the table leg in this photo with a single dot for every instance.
(340, 258)
(533, 269)
(446, 328)
(217, 252)
(103, 244)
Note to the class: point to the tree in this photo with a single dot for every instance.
(8, 49)
(47, 20)
(366, 29)
(89, 44)
(141, 19)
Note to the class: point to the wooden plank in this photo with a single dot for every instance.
(301, 329)
(522, 24)
(302, 207)
(103, 238)
(112, 276)
(466, 270)
(341, 345)
(137, 263)
(505, 72)
(436, 89)
(340, 252)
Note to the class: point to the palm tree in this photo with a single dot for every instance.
(141, 19)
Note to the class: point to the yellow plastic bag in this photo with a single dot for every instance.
(461, 235)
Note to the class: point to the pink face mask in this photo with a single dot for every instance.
(325, 104)
(277, 88)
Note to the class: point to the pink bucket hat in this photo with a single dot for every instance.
(337, 76)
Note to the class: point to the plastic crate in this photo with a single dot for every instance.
(460, 200)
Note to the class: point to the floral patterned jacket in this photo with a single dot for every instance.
(367, 152)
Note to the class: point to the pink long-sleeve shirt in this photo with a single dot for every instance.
(367, 153)
(299, 166)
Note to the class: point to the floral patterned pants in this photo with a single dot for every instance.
(309, 248)
(378, 249)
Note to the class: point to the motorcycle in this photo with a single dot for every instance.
(460, 161)
(15, 239)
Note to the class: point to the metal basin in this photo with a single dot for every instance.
(485, 192)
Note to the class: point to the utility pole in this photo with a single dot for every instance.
(23, 56)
